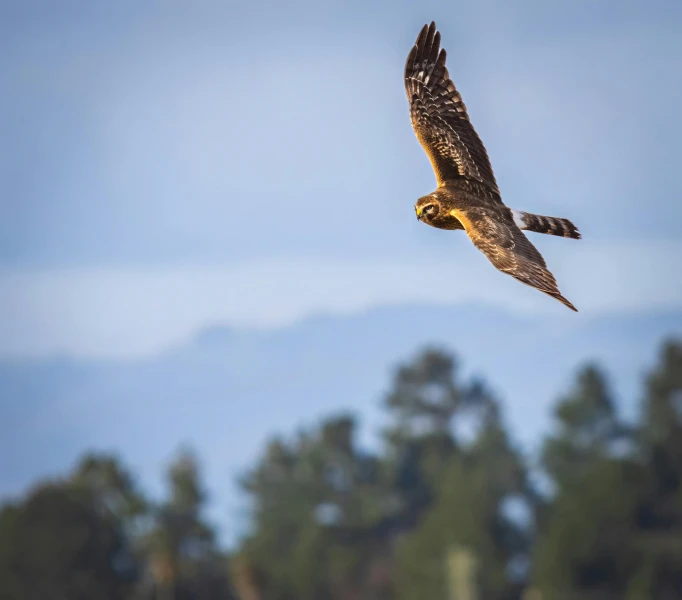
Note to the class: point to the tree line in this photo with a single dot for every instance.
(449, 508)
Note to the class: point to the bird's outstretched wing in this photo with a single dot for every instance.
(439, 117)
(495, 234)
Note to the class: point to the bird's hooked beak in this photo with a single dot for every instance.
(419, 213)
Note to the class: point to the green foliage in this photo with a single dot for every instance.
(429, 516)
(327, 516)
(425, 404)
(316, 503)
(587, 428)
(180, 547)
(661, 453)
(112, 485)
(615, 526)
(588, 546)
(93, 535)
(663, 400)
(58, 544)
(468, 513)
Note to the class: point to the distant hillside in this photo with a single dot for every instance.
(227, 390)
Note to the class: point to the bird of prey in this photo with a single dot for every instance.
(467, 196)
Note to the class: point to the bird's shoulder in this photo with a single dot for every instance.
(466, 194)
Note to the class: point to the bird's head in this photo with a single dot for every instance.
(427, 208)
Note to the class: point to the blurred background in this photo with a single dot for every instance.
(234, 366)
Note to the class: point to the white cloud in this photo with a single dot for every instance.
(138, 311)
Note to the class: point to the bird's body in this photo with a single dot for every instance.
(467, 196)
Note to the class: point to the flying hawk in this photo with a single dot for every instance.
(467, 196)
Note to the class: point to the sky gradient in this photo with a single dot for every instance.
(166, 167)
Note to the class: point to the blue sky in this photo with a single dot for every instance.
(165, 167)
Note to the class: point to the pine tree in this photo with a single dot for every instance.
(588, 428)
(317, 502)
(660, 538)
(587, 546)
(467, 520)
(426, 403)
(183, 556)
(58, 543)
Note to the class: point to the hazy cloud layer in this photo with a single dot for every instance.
(138, 311)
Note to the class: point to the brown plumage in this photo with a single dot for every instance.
(467, 196)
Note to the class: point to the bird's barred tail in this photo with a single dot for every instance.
(549, 225)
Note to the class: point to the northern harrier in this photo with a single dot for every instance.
(467, 196)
